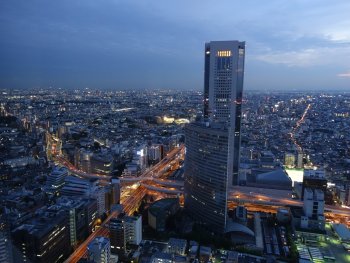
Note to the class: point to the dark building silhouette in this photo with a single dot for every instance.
(44, 238)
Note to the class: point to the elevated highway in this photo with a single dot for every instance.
(129, 202)
(250, 195)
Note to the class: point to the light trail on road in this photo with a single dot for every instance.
(130, 202)
(299, 122)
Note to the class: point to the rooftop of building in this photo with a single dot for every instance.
(277, 176)
(43, 223)
(236, 227)
(162, 205)
(162, 256)
(177, 242)
(132, 218)
(98, 243)
(342, 231)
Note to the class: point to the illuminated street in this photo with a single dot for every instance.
(294, 130)
(130, 200)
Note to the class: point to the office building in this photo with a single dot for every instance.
(101, 163)
(154, 154)
(347, 194)
(90, 188)
(77, 213)
(44, 238)
(100, 195)
(5, 241)
(313, 202)
(75, 186)
(315, 179)
(289, 160)
(5, 248)
(212, 145)
(125, 230)
(300, 160)
(117, 236)
(160, 211)
(99, 250)
(91, 213)
(133, 229)
(115, 191)
(177, 246)
(55, 180)
(313, 208)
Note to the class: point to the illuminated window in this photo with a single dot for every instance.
(224, 53)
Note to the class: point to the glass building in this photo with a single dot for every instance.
(212, 145)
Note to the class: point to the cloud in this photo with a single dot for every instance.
(309, 57)
(344, 75)
(302, 58)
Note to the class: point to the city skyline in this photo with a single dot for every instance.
(290, 45)
(122, 155)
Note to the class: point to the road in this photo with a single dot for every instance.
(299, 122)
(82, 249)
(130, 202)
(154, 172)
(253, 196)
(255, 199)
(274, 197)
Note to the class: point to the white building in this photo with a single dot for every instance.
(313, 202)
(141, 157)
(75, 186)
(154, 153)
(99, 250)
(133, 229)
(313, 209)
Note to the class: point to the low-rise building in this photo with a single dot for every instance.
(177, 246)
(342, 232)
(99, 250)
(160, 210)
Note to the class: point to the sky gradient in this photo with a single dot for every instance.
(290, 44)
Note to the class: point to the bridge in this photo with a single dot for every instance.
(162, 189)
(249, 195)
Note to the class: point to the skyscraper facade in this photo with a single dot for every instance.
(212, 145)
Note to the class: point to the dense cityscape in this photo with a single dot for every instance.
(174, 131)
(89, 165)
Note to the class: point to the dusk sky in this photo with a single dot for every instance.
(290, 44)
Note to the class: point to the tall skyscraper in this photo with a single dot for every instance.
(223, 90)
(212, 145)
